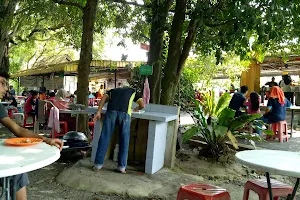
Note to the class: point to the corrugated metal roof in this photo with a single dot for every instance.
(72, 67)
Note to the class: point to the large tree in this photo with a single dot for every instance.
(212, 26)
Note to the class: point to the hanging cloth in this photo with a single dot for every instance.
(146, 92)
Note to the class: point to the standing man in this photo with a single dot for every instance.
(21, 179)
(118, 111)
(238, 101)
(272, 83)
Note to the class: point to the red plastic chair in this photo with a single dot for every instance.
(63, 129)
(25, 124)
(260, 187)
(202, 192)
(11, 111)
(280, 131)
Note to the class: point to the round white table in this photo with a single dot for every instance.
(284, 163)
(17, 160)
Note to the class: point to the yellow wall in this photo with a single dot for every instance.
(251, 78)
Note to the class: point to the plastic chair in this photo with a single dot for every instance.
(11, 111)
(260, 187)
(63, 129)
(25, 124)
(280, 131)
(202, 192)
(19, 118)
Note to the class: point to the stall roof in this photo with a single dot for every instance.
(71, 67)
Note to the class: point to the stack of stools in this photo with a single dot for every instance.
(280, 131)
(200, 191)
(260, 187)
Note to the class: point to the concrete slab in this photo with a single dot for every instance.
(134, 184)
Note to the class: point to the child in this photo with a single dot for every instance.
(253, 103)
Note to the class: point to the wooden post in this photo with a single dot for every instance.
(251, 78)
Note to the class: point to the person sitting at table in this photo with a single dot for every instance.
(22, 179)
(30, 103)
(51, 96)
(276, 107)
(252, 104)
(238, 101)
(60, 99)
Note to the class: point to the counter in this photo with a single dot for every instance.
(159, 135)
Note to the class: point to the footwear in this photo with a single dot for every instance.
(97, 168)
(120, 171)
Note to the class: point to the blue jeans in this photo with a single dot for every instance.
(112, 118)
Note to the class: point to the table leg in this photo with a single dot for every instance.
(77, 122)
(6, 190)
(269, 185)
(291, 196)
(292, 122)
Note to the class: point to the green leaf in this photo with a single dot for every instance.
(220, 131)
(268, 132)
(232, 139)
(240, 121)
(225, 116)
(222, 103)
(189, 134)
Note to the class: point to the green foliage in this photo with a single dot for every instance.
(136, 81)
(224, 127)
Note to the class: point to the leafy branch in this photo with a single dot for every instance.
(68, 3)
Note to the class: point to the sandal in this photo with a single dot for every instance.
(120, 171)
(96, 169)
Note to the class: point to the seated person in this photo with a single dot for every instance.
(253, 103)
(30, 103)
(238, 101)
(276, 107)
(60, 99)
(51, 96)
(20, 179)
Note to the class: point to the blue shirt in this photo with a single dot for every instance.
(278, 111)
(237, 102)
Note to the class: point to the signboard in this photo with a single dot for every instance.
(146, 70)
(145, 46)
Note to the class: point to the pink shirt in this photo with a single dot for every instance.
(249, 105)
(60, 104)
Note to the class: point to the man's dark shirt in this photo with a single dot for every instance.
(237, 102)
(120, 99)
(271, 84)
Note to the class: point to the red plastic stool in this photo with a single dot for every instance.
(64, 129)
(280, 131)
(260, 186)
(91, 127)
(25, 124)
(200, 191)
(11, 111)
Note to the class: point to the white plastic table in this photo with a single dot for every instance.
(17, 160)
(284, 163)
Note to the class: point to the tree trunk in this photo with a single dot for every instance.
(171, 77)
(159, 17)
(89, 15)
(7, 9)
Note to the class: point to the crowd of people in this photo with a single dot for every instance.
(274, 112)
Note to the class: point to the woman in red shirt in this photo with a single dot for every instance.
(29, 106)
